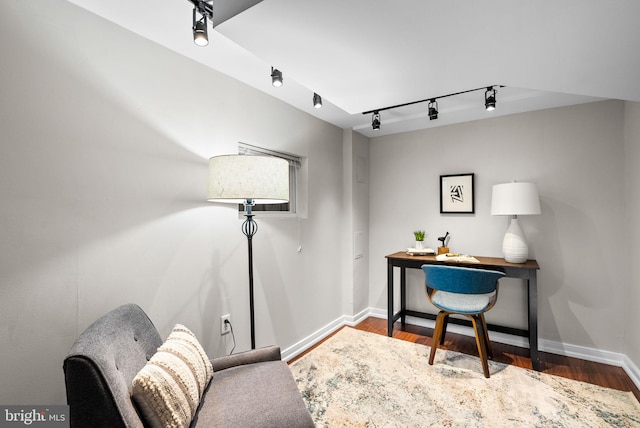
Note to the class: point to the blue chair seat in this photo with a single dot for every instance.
(462, 303)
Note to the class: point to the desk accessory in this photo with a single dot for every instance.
(248, 180)
(419, 235)
(453, 257)
(444, 247)
(515, 199)
(420, 251)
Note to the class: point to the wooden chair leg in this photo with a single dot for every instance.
(481, 342)
(486, 336)
(437, 333)
(445, 323)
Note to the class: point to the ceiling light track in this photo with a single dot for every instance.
(484, 88)
(204, 7)
(489, 102)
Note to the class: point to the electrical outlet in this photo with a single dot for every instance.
(225, 327)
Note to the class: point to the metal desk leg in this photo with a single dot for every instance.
(403, 295)
(532, 285)
(390, 314)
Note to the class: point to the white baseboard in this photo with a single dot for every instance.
(552, 347)
(582, 352)
(632, 370)
(319, 335)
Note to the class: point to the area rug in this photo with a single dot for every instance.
(360, 379)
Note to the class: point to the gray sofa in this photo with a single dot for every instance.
(250, 389)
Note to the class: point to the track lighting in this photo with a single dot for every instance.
(276, 77)
(490, 99)
(375, 120)
(433, 109)
(317, 100)
(199, 27)
(200, 36)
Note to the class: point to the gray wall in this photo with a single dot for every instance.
(632, 230)
(103, 168)
(576, 155)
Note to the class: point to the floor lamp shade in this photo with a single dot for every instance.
(515, 199)
(241, 178)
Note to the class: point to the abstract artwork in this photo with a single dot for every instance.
(456, 194)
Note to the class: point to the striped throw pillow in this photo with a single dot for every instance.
(168, 388)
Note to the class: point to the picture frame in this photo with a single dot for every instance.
(457, 194)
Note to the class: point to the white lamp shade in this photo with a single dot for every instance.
(515, 199)
(238, 178)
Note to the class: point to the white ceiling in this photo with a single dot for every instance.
(362, 55)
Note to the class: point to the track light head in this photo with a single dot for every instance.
(317, 100)
(276, 77)
(199, 27)
(375, 120)
(200, 36)
(490, 99)
(433, 109)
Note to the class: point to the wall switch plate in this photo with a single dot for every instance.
(225, 327)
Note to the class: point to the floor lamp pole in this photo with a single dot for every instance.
(249, 228)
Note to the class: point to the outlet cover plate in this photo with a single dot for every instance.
(225, 328)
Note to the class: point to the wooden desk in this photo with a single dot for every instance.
(527, 271)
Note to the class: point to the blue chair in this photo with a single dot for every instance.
(463, 291)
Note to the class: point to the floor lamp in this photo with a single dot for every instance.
(515, 199)
(249, 180)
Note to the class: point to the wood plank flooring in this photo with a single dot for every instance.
(571, 368)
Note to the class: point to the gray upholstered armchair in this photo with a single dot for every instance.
(254, 388)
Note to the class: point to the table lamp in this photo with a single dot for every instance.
(248, 180)
(515, 199)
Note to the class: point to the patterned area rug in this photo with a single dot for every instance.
(360, 379)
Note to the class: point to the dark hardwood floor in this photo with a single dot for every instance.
(571, 368)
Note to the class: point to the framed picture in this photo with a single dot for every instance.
(456, 194)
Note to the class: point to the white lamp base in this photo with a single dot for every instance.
(514, 245)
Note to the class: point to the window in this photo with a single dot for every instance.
(295, 163)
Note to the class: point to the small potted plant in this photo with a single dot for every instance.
(419, 235)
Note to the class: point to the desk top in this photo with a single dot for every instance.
(484, 261)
